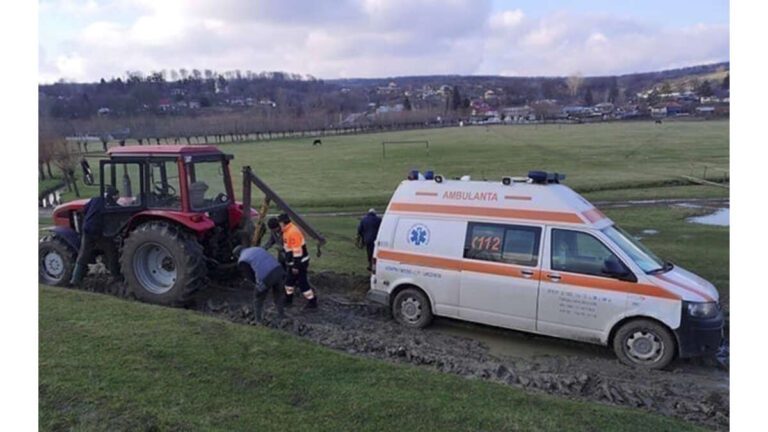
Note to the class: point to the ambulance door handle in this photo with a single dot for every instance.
(527, 273)
(554, 277)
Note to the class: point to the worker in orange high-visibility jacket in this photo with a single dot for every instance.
(297, 260)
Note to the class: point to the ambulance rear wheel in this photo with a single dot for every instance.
(645, 344)
(411, 308)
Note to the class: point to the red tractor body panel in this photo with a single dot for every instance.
(62, 213)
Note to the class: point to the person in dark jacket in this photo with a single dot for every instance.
(367, 230)
(259, 267)
(93, 233)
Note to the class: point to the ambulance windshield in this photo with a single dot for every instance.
(641, 255)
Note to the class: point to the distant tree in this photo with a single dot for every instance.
(726, 85)
(407, 104)
(666, 88)
(613, 91)
(705, 89)
(574, 83)
(653, 97)
(455, 98)
(588, 98)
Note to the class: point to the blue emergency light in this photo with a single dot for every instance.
(429, 175)
(543, 177)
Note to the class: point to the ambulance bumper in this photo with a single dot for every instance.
(378, 296)
(699, 336)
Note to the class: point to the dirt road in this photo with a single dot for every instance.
(694, 390)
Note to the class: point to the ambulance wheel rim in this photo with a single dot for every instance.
(645, 346)
(411, 309)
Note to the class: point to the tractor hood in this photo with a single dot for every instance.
(687, 285)
(61, 213)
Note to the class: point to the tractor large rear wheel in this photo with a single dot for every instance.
(162, 264)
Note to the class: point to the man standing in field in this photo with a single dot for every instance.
(259, 267)
(93, 233)
(367, 230)
(297, 260)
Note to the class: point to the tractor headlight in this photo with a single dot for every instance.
(702, 310)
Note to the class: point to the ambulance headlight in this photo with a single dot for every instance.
(702, 310)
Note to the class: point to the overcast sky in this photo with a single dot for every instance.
(84, 40)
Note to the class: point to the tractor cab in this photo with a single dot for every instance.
(188, 179)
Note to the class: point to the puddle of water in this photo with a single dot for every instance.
(688, 205)
(505, 343)
(721, 217)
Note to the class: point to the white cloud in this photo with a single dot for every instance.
(352, 38)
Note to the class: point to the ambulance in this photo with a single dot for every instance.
(530, 254)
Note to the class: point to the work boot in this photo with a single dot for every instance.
(312, 304)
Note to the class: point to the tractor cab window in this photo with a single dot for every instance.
(127, 179)
(164, 185)
(207, 184)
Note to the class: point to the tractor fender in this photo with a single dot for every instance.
(70, 236)
(198, 223)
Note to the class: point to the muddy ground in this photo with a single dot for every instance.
(694, 390)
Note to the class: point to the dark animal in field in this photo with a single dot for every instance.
(317, 142)
(658, 121)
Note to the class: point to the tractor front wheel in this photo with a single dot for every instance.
(162, 264)
(57, 260)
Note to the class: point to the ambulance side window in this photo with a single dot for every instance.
(503, 243)
(579, 252)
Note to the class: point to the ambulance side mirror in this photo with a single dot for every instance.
(615, 269)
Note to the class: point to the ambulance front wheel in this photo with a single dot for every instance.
(644, 343)
(411, 308)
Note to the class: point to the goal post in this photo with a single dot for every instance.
(384, 145)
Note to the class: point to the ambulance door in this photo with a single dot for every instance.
(577, 298)
(500, 274)
(426, 252)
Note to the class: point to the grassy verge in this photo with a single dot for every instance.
(108, 364)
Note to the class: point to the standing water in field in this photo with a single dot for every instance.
(721, 217)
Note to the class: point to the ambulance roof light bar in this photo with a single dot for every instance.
(543, 177)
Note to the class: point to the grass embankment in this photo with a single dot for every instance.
(108, 364)
(349, 171)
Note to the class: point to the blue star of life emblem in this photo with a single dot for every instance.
(418, 235)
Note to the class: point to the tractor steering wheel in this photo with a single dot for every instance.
(169, 189)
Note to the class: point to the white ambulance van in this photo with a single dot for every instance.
(531, 254)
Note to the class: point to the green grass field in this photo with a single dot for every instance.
(108, 364)
(349, 171)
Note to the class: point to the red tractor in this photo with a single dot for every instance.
(176, 219)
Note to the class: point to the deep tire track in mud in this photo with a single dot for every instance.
(696, 391)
